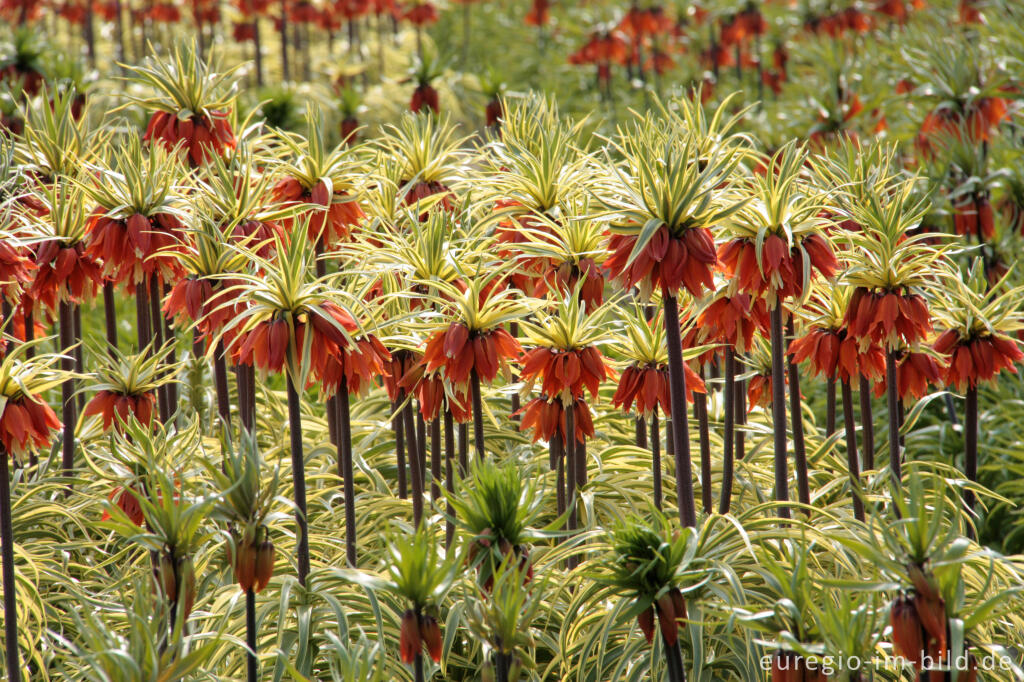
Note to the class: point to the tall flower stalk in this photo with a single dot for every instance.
(890, 270)
(731, 319)
(836, 355)
(651, 564)
(228, 215)
(26, 424)
(137, 226)
(246, 505)
(66, 274)
(291, 325)
(778, 244)
(565, 359)
(644, 383)
(536, 194)
(664, 198)
(349, 368)
(477, 315)
(978, 326)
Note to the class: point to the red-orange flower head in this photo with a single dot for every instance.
(973, 216)
(529, 275)
(127, 499)
(604, 48)
(202, 135)
(425, 96)
(648, 386)
(26, 423)
(116, 408)
(328, 338)
(266, 344)
(459, 351)
(915, 371)
(733, 320)
(15, 269)
(423, 189)
(834, 354)
(565, 373)
(134, 248)
(417, 631)
(668, 262)
(431, 392)
(546, 417)
(202, 300)
(977, 119)
(65, 273)
(587, 274)
(780, 272)
(887, 317)
(421, 14)
(163, 13)
(333, 223)
(539, 13)
(258, 235)
(403, 363)
(359, 363)
(978, 358)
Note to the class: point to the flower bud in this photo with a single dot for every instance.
(265, 554)
(409, 642)
(430, 633)
(667, 619)
(907, 632)
(645, 619)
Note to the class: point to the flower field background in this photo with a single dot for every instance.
(376, 340)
